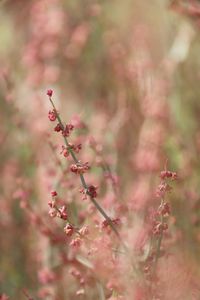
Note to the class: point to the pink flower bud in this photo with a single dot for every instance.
(49, 93)
(54, 194)
(68, 229)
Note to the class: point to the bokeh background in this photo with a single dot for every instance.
(127, 73)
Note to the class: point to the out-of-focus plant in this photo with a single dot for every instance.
(125, 73)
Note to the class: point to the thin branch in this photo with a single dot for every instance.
(82, 178)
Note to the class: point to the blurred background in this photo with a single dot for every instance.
(127, 74)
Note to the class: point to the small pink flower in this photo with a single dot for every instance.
(62, 213)
(92, 191)
(52, 115)
(69, 230)
(64, 151)
(77, 148)
(168, 174)
(79, 168)
(162, 189)
(67, 130)
(58, 128)
(116, 221)
(53, 212)
(51, 204)
(84, 192)
(49, 93)
(164, 209)
(54, 194)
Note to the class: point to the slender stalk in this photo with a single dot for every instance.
(159, 243)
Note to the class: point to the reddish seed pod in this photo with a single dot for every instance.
(162, 174)
(53, 212)
(157, 229)
(84, 192)
(174, 175)
(63, 216)
(62, 213)
(54, 194)
(92, 191)
(77, 148)
(70, 127)
(168, 174)
(52, 115)
(51, 204)
(58, 128)
(80, 168)
(105, 224)
(69, 230)
(165, 174)
(74, 168)
(165, 209)
(49, 93)
(116, 221)
(64, 151)
(67, 130)
(162, 189)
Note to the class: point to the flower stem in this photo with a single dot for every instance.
(159, 242)
(82, 178)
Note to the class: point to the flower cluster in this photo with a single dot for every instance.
(115, 221)
(54, 211)
(52, 115)
(159, 227)
(76, 236)
(164, 187)
(66, 149)
(69, 229)
(125, 241)
(80, 168)
(67, 130)
(92, 191)
(168, 174)
(58, 128)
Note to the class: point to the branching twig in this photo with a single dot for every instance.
(82, 178)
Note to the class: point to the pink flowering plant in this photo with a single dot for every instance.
(110, 231)
(100, 142)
